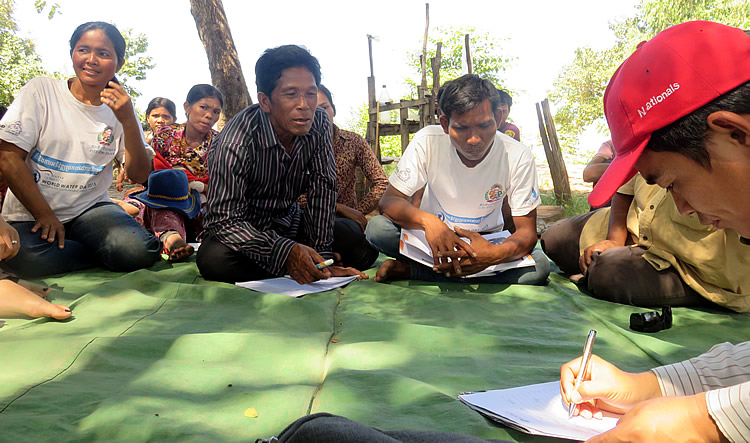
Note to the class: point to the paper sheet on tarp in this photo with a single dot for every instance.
(290, 288)
(537, 409)
(161, 354)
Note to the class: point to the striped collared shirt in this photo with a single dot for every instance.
(724, 374)
(254, 184)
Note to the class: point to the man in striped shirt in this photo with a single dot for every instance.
(679, 113)
(264, 159)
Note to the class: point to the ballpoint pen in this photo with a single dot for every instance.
(324, 264)
(584, 363)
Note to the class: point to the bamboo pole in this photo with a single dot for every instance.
(423, 60)
(468, 54)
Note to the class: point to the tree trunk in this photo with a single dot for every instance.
(223, 62)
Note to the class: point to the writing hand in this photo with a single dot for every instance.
(300, 265)
(51, 229)
(605, 387)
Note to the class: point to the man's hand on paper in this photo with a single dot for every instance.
(342, 271)
(461, 264)
(585, 259)
(605, 387)
(665, 419)
(300, 265)
(444, 242)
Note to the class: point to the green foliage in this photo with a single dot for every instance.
(54, 8)
(390, 146)
(18, 59)
(20, 62)
(578, 203)
(579, 89)
(135, 67)
(486, 51)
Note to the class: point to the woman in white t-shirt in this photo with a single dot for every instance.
(61, 137)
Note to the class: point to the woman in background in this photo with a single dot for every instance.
(159, 113)
(183, 146)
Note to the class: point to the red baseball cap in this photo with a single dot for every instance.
(679, 70)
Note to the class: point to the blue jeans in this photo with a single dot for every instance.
(103, 235)
(384, 235)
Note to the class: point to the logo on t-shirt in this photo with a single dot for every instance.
(403, 174)
(13, 128)
(494, 194)
(106, 138)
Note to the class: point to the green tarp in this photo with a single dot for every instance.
(161, 354)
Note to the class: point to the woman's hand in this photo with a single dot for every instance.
(9, 243)
(119, 102)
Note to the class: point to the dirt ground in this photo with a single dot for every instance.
(575, 176)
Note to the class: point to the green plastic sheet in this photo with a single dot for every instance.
(161, 354)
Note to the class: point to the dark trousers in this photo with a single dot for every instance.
(218, 262)
(619, 274)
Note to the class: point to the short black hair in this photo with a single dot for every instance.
(505, 98)
(161, 102)
(272, 63)
(203, 90)
(687, 135)
(466, 93)
(327, 93)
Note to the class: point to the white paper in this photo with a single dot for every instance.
(413, 244)
(195, 245)
(287, 286)
(537, 409)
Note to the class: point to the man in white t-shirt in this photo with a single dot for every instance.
(468, 170)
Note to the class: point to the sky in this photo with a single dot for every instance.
(540, 34)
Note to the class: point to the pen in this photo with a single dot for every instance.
(324, 264)
(584, 362)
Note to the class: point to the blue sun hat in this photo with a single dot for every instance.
(168, 189)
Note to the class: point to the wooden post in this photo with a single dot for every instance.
(404, 128)
(423, 59)
(435, 84)
(468, 54)
(552, 150)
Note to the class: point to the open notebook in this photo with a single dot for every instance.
(413, 244)
(537, 409)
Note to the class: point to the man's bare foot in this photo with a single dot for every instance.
(393, 270)
(18, 302)
(177, 248)
(39, 290)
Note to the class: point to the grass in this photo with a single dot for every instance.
(578, 203)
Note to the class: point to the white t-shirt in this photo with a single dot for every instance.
(70, 147)
(470, 198)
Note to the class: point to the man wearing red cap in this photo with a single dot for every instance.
(679, 113)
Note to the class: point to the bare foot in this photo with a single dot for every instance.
(177, 248)
(393, 270)
(39, 290)
(18, 302)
